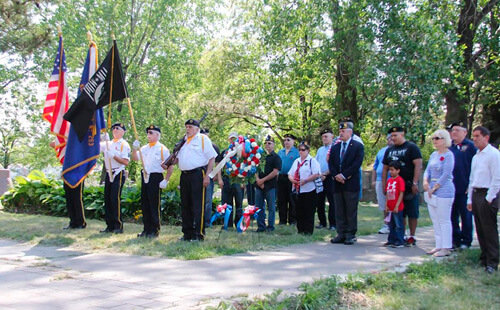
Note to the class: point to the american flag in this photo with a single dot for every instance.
(57, 103)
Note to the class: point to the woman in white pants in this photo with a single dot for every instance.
(440, 191)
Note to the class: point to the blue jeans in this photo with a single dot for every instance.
(397, 229)
(270, 196)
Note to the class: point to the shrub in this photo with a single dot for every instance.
(36, 194)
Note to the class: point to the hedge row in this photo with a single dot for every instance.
(36, 194)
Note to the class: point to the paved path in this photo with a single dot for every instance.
(39, 277)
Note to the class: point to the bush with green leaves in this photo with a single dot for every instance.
(37, 194)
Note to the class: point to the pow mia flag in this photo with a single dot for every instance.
(105, 86)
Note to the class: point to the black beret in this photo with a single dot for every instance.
(269, 138)
(326, 130)
(192, 122)
(396, 129)
(153, 127)
(289, 135)
(345, 125)
(460, 124)
(121, 125)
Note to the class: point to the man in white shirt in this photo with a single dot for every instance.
(483, 197)
(116, 158)
(196, 160)
(153, 155)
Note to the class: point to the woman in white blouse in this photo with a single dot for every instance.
(304, 171)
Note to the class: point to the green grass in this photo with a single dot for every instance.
(454, 283)
(46, 230)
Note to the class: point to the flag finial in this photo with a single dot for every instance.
(59, 30)
(89, 36)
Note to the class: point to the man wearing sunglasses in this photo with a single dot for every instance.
(116, 158)
(265, 187)
(286, 205)
(153, 155)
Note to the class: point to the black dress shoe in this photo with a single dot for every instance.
(184, 238)
(338, 239)
(349, 241)
(489, 270)
(141, 235)
(320, 226)
(107, 230)
(118, 231)
(67, 227)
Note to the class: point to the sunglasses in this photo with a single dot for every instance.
(436, 138)
(288, 140)
(303, 150)
(150, 132)
(268, 143)
(115, 127)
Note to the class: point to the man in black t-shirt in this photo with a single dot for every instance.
(265, 187)
(411, 166)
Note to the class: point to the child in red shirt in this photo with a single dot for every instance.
(395, 205)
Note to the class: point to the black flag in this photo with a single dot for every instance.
(108, 79)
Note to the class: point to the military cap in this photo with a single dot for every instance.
(121, 125)
(396, 129)
(269, 138)
(345, 125)
(326, 130)
(289, 135)
(153, 127)
(192, 122)
(459, 124)
(304, 144)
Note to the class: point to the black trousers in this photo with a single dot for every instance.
(112, 200)
(232, 194)
(485, 218)
(346, 212)
(305, 212)
(192, 203)
(328, 187)
(74, 205)
(150, 203)
(286, 205)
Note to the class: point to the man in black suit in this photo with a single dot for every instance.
(344, 163)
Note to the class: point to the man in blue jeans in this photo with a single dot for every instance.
(265, 186)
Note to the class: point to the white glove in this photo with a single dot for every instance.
(136, 145)
(111, 153)
(104, 136)
(163, 184)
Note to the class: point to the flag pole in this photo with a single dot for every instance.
(144, 172)
(109, 168)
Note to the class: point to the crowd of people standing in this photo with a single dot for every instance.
(461, 185)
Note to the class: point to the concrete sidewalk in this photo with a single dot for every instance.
(39, 277)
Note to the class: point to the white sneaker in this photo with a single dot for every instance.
(384, 230)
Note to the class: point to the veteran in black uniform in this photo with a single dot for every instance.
(195, 159)
(116, 158)
(153, 155)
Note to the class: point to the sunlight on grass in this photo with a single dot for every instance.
(454, 283)
(47, 230)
